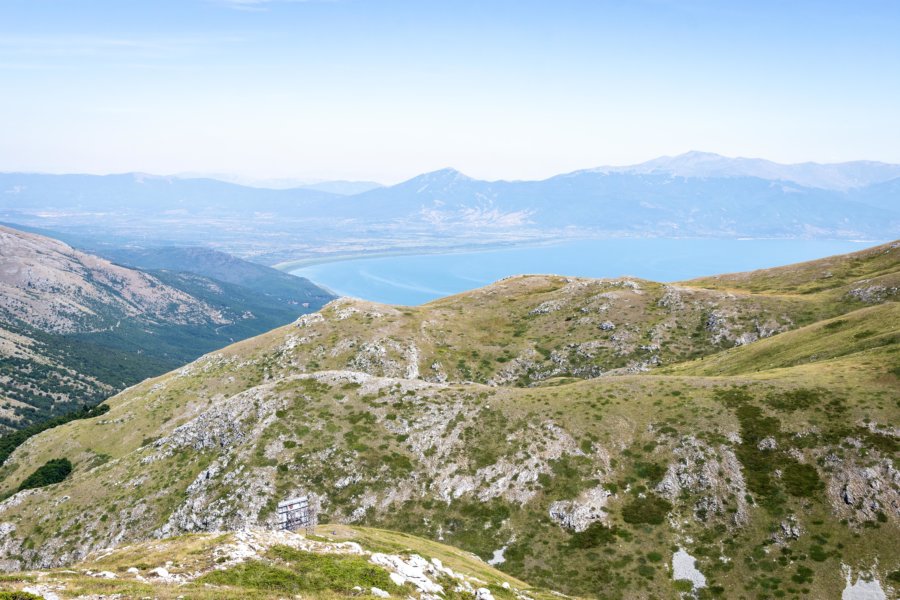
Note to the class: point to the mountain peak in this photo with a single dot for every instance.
(441, 177)
(699, 154)
(446, 172)
(688, 159)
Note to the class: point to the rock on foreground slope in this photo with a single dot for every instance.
(358, 562)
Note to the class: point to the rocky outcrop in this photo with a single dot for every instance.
(711, 475)
(873, 294)
(864, 493)
(578, 514)
(788, 531)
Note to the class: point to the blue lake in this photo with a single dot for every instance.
(418, 278)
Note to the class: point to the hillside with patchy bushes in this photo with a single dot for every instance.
(729, 437)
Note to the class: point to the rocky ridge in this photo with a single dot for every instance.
(55, 288)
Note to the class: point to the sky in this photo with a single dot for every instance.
(386, 89)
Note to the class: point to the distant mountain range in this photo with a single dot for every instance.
(834, 176)
(340, 187)
(692, 195)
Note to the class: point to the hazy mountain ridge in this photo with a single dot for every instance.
(340, 187)
(695, 195)
(630, 204)
(588, 431)
(76, 327)
(835, 176)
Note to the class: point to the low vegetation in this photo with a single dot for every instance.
(53, 471)
(624, 421)
(291, 571)
(10, 441)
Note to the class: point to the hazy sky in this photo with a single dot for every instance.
(384, 89)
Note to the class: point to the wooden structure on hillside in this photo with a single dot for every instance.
(297, 513)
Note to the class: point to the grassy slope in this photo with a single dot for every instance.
(528, 329)
(191, 555)
(610, 413)
(875, 327)
(836, 273)
(817, 389)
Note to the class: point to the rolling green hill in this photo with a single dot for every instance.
(733, 437)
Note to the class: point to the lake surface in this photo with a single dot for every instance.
(418, 278)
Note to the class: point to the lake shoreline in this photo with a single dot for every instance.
(300, 263)
(411, 279)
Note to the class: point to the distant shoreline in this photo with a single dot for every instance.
(300, 263)
(292, 265)
(411, 278)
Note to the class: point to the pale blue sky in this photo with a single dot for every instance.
(386, 89)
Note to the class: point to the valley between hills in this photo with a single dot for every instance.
(733, 436)
(75, 327)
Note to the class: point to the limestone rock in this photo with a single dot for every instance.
(767, 443)
(578, 514)
(483, 594)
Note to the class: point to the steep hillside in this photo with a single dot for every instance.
(280, 287)
(868, 329)
(74, 327)
(726, 466)
(275, 290)
(868, 276)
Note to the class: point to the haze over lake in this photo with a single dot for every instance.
(419, 278)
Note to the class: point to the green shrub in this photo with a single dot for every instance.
(652, 472)
(801, 480)
(795, 399)
(53, 471)
(755, 426)
(333, 571)
(818, 553)
(803, 575)
(650, 509)
(646, 571)
(16, 595)
(883, 443)
(294, 571)
(835, 324)
(732, 397)
(260, 576)
(597, 534)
